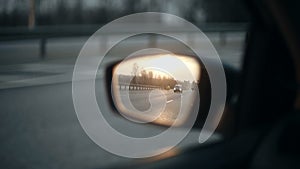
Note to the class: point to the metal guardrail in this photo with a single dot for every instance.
(15, 33)
(127, 86)
(45, 32)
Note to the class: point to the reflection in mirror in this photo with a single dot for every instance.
(158, 88)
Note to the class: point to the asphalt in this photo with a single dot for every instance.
(39, 129)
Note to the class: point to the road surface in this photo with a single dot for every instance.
(165, 105)
(39, 129)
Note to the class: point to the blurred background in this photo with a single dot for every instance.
(63, 26)
(69, 12)
(39, 43)
(52, 32)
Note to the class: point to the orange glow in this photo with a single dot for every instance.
(178, 66)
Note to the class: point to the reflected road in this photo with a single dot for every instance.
(174, 102)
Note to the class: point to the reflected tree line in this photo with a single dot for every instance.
(150, 78)
(147, 78)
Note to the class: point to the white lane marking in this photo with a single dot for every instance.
(169, 101)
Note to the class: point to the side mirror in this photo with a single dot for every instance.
(157, 88)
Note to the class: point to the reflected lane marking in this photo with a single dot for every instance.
(170, 101)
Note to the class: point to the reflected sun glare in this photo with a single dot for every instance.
(177, 66)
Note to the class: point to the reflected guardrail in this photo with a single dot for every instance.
(128, 86)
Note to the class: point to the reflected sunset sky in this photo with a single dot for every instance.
(179, 67)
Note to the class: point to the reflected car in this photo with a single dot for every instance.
(177, 88)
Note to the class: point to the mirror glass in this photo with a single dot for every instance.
(156, 86)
